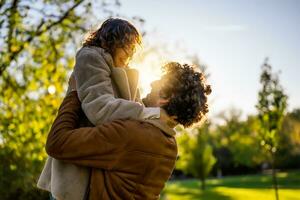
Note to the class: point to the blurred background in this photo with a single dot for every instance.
(249, 147)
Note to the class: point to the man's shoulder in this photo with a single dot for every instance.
(133, 127)
(141, 130)
(130, 124)
(142, 126)
(144, 137)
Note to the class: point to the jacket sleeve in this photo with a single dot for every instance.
(98, 147)
(93, 79)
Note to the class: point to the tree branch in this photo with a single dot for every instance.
(2, 2)
(39, 32)
(11, 23)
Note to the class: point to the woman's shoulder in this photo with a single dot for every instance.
(98, 51)
(92, 52)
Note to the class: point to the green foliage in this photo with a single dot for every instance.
(235, 143)
(38, 42)
(288, 155)
(195, 154)
(271, 106)
(272, 103)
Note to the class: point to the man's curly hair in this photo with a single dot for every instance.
(113, 33)
(186, 91)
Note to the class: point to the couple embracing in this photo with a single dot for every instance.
(108, 143)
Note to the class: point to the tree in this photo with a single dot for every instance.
(38, 41)
(271, 106)
(196, 154)
(288, 155)
(235, 143)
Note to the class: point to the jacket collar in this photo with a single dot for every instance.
(162, 126)
(126, 79)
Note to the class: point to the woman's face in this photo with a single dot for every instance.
(122, 56)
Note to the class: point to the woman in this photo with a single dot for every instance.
(107, 90)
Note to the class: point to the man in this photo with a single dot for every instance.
(131, 159)
(107, 89)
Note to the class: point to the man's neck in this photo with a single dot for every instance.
(167, 119)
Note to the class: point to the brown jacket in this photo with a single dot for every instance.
(129, 159)
(106, 93)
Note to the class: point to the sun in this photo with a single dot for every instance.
(147, 76)
(149, 71)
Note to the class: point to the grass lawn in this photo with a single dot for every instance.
(253, 187)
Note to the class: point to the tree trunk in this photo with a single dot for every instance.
(203, 183)
(275, 184)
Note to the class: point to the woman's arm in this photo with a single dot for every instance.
(93, 78)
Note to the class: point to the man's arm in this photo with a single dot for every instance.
(98, 147)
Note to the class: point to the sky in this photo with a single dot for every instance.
(232, 37)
